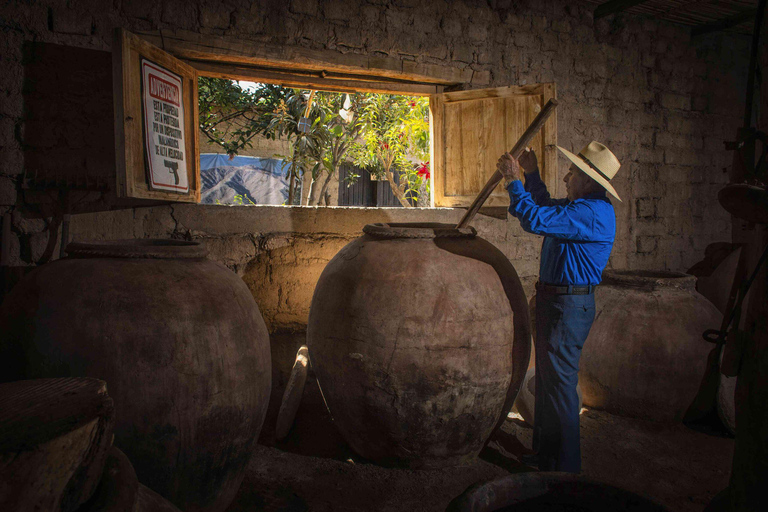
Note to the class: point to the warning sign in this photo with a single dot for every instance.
(164, 128)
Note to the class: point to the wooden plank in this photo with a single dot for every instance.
(193, 122)
(497, 92)
(524, 141)
(436, 147)
(295, 73)
(547, 148)
(738, 19)
(458, 119)
(120, 55)
(615, 6)
(206, 47)
(129, 146)
(298, 81)
(477, 127)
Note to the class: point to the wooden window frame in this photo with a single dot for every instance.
(128, 51)
(221, 57)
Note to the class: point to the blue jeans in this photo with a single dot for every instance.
(562, 326)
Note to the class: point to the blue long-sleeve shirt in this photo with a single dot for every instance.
(578, 235)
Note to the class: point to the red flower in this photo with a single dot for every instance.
(412, 104)
(385, 145)
(423, 170)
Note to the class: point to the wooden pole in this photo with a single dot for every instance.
(309, 103)
(516, 151)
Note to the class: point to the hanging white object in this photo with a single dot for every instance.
(345, 112)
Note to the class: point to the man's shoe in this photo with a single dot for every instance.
(530, 459)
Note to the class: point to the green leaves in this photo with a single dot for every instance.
(231, 116)
(395, 133)
(386, 134)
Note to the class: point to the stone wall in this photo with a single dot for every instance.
(261, 147)
(662, 102)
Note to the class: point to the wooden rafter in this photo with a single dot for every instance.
(614, 6)
(737, 19)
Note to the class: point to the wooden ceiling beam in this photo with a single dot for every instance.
(614, 6)
(723, 24)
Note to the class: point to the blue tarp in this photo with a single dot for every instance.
(254, 180)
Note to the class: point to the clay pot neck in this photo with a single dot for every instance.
(147, 248)
(421, 230)
(649, 279)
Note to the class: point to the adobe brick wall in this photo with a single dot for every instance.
(662, 102)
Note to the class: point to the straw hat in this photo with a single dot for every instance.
(598, 163)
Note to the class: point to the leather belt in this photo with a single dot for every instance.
(565, 289)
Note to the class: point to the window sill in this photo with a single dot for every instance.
(332, 220)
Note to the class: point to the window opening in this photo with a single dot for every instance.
(267, 144)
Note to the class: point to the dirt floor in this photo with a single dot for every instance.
(672, 464)
(313, 469)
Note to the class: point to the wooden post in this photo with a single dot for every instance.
(516, 151)
(750, 471)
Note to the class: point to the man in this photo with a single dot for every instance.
(578, 237)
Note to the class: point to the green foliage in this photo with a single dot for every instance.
(239, 200)
(307, 149)
(395, 132)
(231, 116)
(386, 134)
(322, 149)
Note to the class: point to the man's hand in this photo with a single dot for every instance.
(509, 167)
(528, 161)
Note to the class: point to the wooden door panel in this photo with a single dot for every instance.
(472, 129)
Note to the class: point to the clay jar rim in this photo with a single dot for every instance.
(417, 230)
(146, 248)
(649, 279)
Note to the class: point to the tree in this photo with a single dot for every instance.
(340, 118)
(394, 129)
(306, 148)
(231, 116)
(386, 134)
(323, 148)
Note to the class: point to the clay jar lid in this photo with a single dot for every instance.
(418, 230)
(649, 280)
(148, 248)
(748, 202)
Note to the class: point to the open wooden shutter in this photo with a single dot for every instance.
(472, 129)
(151, 86)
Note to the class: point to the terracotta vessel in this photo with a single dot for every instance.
(180, 342)
(550, 491)
(120, 490)
(54, 439)
(420, 338)
(645, 356)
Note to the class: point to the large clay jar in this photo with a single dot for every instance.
(180, 342)
(419, 336)
(645, 356)
(549, 491)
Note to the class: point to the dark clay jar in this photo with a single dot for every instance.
(180, 342)
(645, 356)
(419, 336)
